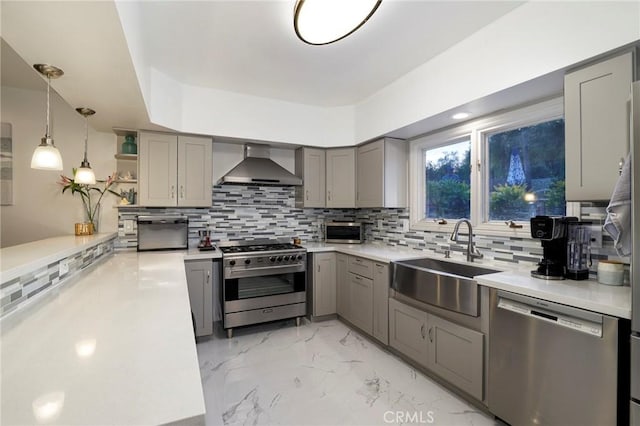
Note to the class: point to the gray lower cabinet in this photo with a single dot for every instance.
(381, 302)
(456, 355)
(342, 286)
(361, 302)
(200, 286)
(408, 331)
(453, 352)
(324, 284)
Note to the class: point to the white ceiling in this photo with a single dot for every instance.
(250, 46)
(240, 46)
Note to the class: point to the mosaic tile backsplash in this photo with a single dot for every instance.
(240, 212)
(20, 290)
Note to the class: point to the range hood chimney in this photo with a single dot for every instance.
(258, 169)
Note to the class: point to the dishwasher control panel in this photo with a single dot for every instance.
(559, 318)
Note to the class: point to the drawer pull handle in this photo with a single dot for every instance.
(267, 311)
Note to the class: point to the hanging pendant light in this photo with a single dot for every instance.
(46, 156)
(326, 21)
(84, 174)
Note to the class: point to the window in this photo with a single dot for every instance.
(526, 171)
(448, 180)
(507, 167)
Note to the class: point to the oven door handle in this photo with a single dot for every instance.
(266, 270)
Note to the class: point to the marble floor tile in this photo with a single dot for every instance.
(320, 373)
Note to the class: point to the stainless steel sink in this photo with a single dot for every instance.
(441, 283)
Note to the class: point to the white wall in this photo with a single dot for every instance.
(227, 114)
(534, 39)
(40, 210)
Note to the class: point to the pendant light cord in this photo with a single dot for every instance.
(86, 137)
(46, 135)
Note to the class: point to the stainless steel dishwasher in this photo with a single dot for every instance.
(551, 364)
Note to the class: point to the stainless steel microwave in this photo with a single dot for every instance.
(344, 232)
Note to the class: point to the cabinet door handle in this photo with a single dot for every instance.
(307, 195)
(620, 166)
(318, 268)
(208, 276)
(422, 331)
(173, 191)
(181, 191)
(329, 195)
(431, 334)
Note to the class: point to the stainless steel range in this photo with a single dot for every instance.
(264, 280)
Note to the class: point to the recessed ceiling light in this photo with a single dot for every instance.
(460, 115)
(326, 21)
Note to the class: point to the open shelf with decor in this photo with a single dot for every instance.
(127, 164)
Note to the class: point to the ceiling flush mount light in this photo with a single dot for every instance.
(46, 156)
(84, 174)
(320, 22)
(460, 116)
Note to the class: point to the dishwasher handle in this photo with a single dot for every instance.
(561, 315)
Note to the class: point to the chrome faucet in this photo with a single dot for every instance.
(472, 252)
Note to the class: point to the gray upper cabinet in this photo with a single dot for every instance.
(341, 177)
(174, 170)
(311, 167)
(382, 174)
(596, 126)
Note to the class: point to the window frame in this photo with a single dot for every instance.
(477, 131)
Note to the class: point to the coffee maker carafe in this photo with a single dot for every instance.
(578, 250)
(552, 231)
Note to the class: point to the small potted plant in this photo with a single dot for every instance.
(91, 197)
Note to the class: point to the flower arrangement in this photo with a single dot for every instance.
(91, 206)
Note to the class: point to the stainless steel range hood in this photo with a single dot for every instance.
(257, 168)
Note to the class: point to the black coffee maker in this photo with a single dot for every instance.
(552, 230)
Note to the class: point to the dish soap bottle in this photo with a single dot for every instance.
(129, 146)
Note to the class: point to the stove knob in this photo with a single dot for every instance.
(247, 261)
(272, 259)
(286, 258)
(279, 259)
(232, 262)
(299, 257)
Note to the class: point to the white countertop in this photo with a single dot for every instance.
(196, 254)
(24, 258)
(587, 294)
(377, 252)
(114, 345)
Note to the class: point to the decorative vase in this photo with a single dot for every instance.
(129, 146)
(85, 228)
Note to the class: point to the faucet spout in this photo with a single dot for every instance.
(472, 252)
